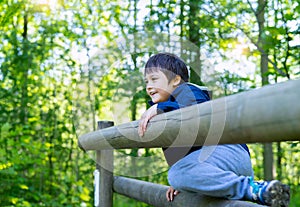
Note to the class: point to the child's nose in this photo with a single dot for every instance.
(149, 87)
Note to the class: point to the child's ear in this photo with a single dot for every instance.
(176, 81)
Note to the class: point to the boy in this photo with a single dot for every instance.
(227, 171)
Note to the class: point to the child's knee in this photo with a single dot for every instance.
(174, 177)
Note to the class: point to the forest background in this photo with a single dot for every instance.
(64, 65)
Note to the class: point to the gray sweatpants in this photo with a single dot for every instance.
(219, 171)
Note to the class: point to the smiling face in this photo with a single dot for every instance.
(158, 87)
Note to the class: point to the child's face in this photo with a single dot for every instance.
(158, 87)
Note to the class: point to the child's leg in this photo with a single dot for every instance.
(221, 171)
(225, 171)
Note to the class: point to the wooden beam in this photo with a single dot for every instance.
(268, 114)
(155, 195)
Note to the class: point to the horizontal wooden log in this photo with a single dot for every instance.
(268, 114)
(155, 195)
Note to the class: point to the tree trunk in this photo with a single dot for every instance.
(194, 36)
(24, 98)
(268, 150)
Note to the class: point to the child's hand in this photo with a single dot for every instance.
(152, 111)
(171, 193)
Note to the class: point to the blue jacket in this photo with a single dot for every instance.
(184, 95)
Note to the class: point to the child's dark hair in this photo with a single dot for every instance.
(169, 64)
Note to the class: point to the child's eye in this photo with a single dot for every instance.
(154, 79)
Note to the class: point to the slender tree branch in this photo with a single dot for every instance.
(287, 42)
(253, 10)
(262, 51)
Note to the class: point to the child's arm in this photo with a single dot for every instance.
(147, 115)
(186, 98)
(153, 111)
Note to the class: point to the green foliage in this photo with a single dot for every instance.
(66, 64)
(295, 197)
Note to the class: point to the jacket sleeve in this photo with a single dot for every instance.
(167, 106)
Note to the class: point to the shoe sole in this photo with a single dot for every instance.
(277, 194)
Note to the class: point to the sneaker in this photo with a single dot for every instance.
(272, 193)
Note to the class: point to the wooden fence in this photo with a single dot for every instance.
(268, 114)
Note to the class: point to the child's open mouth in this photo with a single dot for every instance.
(152, 93)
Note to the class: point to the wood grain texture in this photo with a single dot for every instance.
(268, 114)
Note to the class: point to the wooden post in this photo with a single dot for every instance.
(104, 169)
